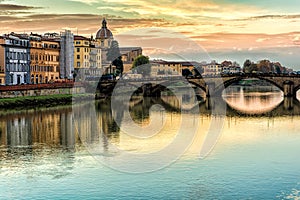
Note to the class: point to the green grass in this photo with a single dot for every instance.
(42, 101)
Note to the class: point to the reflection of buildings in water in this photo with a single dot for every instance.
(67, 132)
(46, 128)
(33, 141)
(38, 127)
(20, 132)
(85, 123)
(3, 138)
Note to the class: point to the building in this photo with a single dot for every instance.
(66, 58)
(212, 68)
(165, 68)
(129, 54)
(230, 68)
(14, 59)
(81, 52)
(104, 36)
(87, 58)
(103, 40)
(44, 57)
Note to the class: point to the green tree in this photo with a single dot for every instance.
(246, 66)
(277, 69)
(141, 65)
(114, 56)
(186, 72)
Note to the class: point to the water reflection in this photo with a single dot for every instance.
(37, 146)
(249, 100)
(37, 137)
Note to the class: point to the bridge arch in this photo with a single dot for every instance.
(296, 88)
(229, 82)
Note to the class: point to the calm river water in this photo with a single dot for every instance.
(76, 152)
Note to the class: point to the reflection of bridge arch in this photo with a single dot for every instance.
(287, 107)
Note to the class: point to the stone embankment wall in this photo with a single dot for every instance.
(40, 90)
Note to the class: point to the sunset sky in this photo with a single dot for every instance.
(225, 29)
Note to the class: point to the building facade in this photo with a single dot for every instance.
(87, 58)
(103, 41)
(229, 67)
(129, 54)
(14, 59)
(212, 68)
(44, 56)
(165, 68)
(66, 57)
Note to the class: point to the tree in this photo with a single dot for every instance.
(264, 66)
(119, 65)
(246, 66)
(141, 65)
(186, 72)
(249, 66)
(114, 56)
(140, 60)
(277, 69)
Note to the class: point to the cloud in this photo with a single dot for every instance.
(85, 24)
(89, 2)
(294, 16)
(10, 7)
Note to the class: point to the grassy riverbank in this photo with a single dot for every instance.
(43, 101)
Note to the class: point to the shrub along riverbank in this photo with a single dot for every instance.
(43, 101)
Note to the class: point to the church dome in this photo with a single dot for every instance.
(104, 32)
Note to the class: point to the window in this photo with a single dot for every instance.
(78, 49)
(77, 42)
(78, 56)
(78, 64)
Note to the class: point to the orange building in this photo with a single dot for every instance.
(44, 56)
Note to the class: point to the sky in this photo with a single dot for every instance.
(172, 29)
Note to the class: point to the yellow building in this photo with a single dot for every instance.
(165, 68)
(81, 52)
(87, 58)
(44, 55)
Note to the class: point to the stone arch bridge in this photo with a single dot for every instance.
(211, 85)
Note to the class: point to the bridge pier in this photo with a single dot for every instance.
(210, 89)
(288, 89)
(288, 103)
(146, 88)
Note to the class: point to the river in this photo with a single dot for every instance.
(94, 150)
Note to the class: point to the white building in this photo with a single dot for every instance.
(15, 59)
(212, 68)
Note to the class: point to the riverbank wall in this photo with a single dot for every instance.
(32, 90)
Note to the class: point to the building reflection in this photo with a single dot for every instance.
(53, 128)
